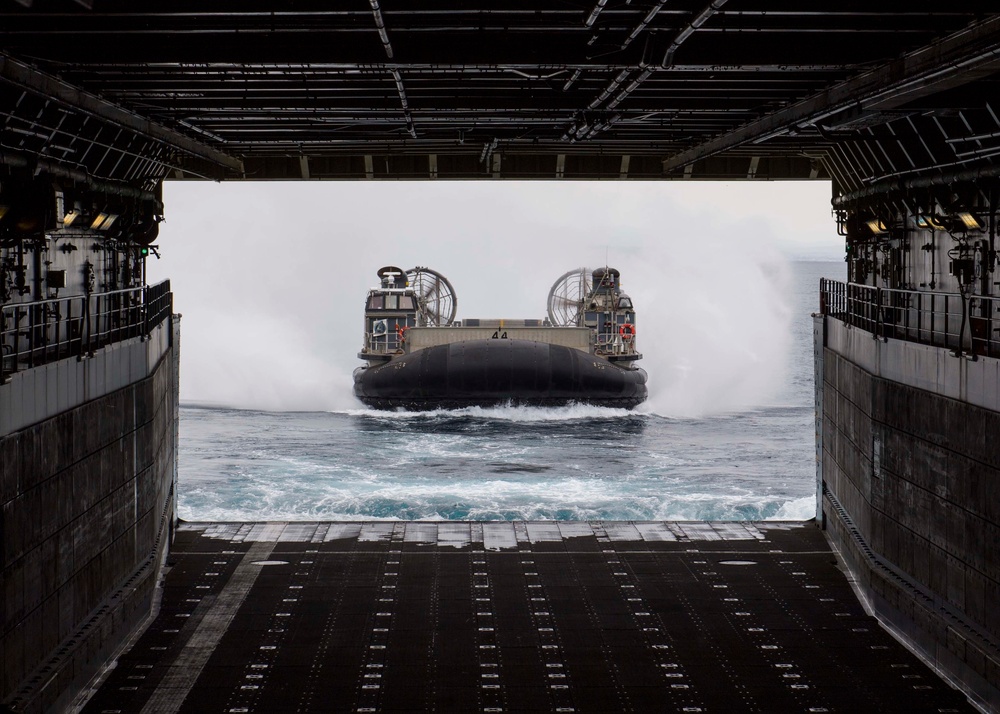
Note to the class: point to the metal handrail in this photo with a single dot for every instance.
(42, 331)
(962, 323)
(383, 344)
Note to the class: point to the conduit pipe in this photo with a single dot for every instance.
(701, 19)
(595, 12)
(645, 23)
(579, 130)
(380, 25)
(575, 76)
(942, 179)
(647, 70)
(54, 168)
(396, 76)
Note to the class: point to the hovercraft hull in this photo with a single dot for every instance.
(498, 371)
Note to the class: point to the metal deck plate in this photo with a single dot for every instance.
(514, 617)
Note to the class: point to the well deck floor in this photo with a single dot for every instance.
(513, 617)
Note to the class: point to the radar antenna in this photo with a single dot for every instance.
(567, 295)
(436, 301)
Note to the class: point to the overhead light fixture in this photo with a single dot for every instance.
(71, 217)
(103, 221)
(930, 222)
(877, 226)
(3, 210)
(970, 220)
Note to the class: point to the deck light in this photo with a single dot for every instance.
(103, 221)
(71, 217)
(970, 220)
(929, 222)
(877, 226)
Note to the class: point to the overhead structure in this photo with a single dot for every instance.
(691, 89)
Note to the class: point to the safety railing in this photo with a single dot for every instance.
(384, 343)
(35, 333)
(615, 343)
(963, 323)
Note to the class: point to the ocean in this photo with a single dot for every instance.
(673, 458)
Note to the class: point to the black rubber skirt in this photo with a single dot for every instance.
(490, 372)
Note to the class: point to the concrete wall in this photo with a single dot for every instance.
(910, 474)
(87, 491)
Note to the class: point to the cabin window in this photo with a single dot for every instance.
(375, 302)
(406, 302)
(391, 302)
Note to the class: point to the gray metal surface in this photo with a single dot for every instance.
(539, 616)
(912, 497)
(87, 508)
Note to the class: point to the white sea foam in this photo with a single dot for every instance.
(798, 509)
(546, 498)
(714, 324)
(506, 412)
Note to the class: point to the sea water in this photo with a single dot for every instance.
(510, 463)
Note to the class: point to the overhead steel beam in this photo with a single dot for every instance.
(51, 87)
(958, 58)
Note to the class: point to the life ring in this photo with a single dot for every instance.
(401, 332)
(627, 331)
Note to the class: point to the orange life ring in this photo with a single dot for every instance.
(627, 331)
(401, 332)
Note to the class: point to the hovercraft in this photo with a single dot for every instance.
(418, 357)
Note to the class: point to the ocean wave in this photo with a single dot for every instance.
(499, 499)
(797, 509)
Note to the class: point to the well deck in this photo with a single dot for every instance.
(517, 617)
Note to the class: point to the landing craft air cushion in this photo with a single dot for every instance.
(418, 357)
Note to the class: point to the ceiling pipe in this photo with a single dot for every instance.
(380, 25)
(647, 70)
(609, 90)
(37, 164)
(890, 185)
(701, 19)
(396, 75)
(633, 85)
(595, 12)
(645, 23)
(575, 76)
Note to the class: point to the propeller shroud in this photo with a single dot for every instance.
(435, 296)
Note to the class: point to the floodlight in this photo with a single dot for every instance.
(970, 220)
(103, 221)
(929, 222)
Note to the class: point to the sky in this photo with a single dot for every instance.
(271, 277)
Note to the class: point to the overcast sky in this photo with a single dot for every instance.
(271, 277)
